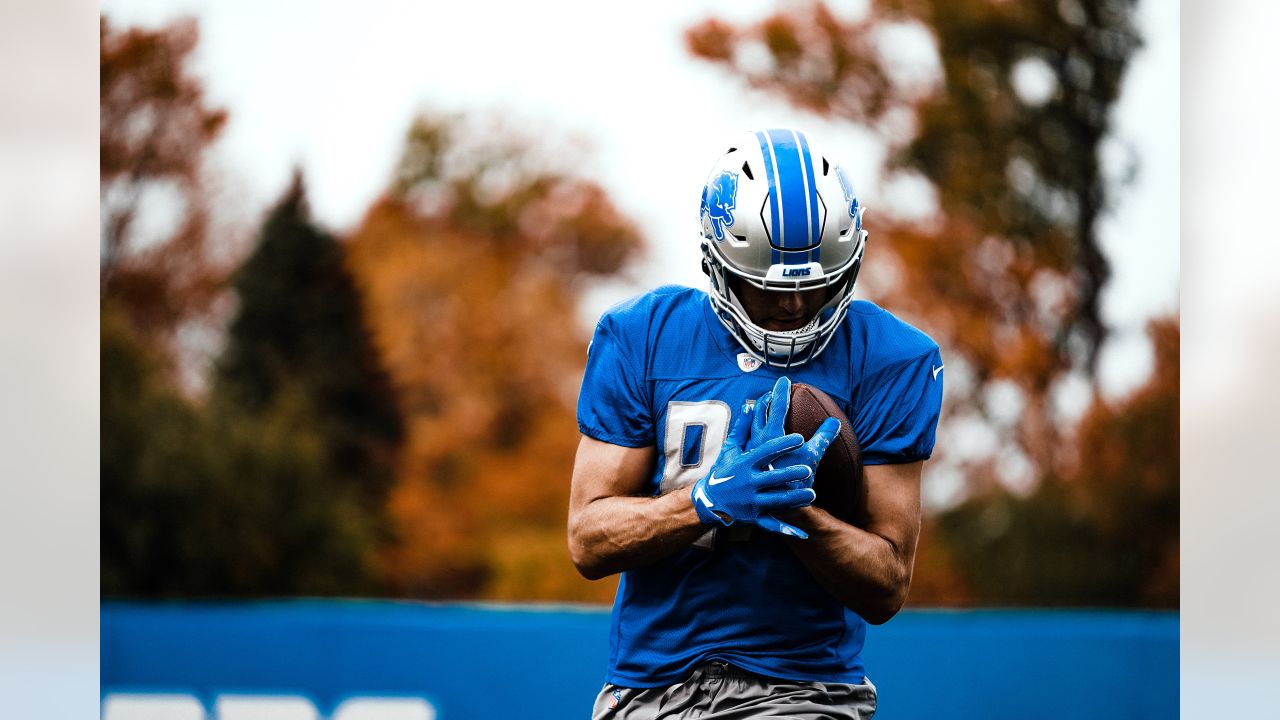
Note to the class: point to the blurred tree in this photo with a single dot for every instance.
(216, 503)
(473, 265)
(298, 337)
(278, 483)
(1007, 272)
(1127, 478)
(1105, 534)
(155, 130)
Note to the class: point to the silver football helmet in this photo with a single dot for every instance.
(779, 214)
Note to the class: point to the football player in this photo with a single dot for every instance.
(739, 597)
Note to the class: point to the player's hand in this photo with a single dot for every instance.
(770, 415)
(810, 453)
(743, 487)
(770, 421)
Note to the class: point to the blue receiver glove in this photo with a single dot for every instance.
(810, 454)
(770, 417)
(770, 420)
(743, 487)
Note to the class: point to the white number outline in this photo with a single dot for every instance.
(714, 416)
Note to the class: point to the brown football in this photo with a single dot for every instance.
(838, 484)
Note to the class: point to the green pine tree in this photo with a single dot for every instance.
(299, 339)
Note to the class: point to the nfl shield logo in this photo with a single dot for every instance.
(617, 698)
(748, 362)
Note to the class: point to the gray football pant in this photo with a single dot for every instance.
(717, 691)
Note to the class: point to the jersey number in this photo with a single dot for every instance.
(696, 432)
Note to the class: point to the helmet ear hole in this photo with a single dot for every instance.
(826, 167)
(746, 170)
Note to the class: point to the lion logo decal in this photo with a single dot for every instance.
(719, 198)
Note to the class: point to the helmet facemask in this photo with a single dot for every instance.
(779, 348)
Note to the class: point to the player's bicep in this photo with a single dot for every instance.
(893, 504)
(603, 469)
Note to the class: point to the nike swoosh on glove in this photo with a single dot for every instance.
(743, 487)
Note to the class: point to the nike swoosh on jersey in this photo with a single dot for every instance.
(937, 370)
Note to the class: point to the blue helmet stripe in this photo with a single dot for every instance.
(794, 213)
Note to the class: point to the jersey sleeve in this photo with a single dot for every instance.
(613, 405)
(897, 418)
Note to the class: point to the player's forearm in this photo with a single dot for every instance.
(865, 571)
(613, 534)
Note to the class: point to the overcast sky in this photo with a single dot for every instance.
(333, 86)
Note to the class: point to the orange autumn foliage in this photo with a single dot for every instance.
(472, 297)
(156, 128)
(1105, 533)
(1006, 272)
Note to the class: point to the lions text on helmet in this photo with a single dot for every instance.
(780, 216)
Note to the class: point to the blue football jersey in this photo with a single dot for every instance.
(663, 371)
